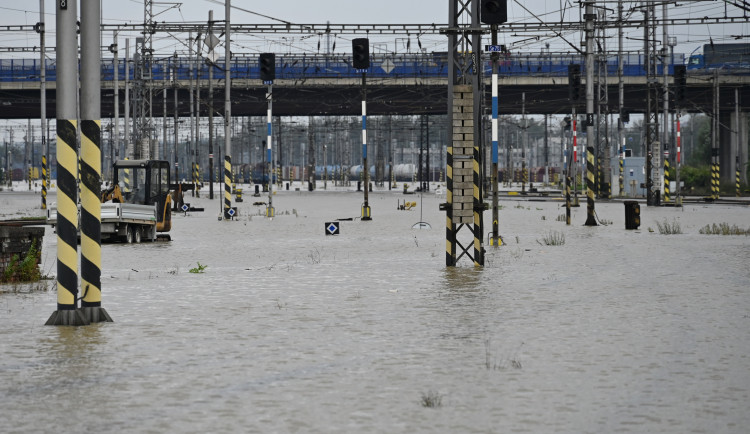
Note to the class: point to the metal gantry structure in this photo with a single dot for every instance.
(465, 203)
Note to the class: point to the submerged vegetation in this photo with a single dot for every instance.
(553, 238)
(669, 228)
(198, 269)
(432, 399)
(723, 229)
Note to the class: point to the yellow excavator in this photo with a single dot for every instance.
(138, 203)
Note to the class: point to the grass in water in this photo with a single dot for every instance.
(432, 399)
(553, 238)
(669, 228)
(199, 269)
(723, 229)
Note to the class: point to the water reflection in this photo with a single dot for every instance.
(462, 279)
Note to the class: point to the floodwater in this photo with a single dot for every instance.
(290, 330)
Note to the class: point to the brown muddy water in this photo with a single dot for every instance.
(289, 330)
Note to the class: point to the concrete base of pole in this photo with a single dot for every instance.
(96, 314)
(67, 317)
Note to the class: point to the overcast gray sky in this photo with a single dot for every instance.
(379, 11)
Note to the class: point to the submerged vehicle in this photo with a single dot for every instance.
(137, 205)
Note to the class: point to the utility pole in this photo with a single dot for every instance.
(196, 148)
(737, 143)
(589, 18)
(310, 154)
(126, 130)
(189, 151)
(115, 153)
(90, 163)
(228, 211)
(67, 312)
(176, 120)
(665, 117)
(602, 148)
(209, 36)
(157, 154)
(524, 147)
(43, 99)
(715, 136)
(620, 99)
(495, 239)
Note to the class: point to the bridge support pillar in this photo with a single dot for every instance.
(733, 147)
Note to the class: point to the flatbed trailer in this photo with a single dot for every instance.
(128, 222)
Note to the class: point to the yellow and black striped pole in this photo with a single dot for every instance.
(67, 169)
(44, 181)
(67, 227)
(478, 211)
(91, 253)
(91, 166)
(621, 179)
(192, 177)
(715, 177)
(667, 174)
(738, 191)
(450, 228)
(590, 185)
(567, 197)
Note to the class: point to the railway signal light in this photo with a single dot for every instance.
(680, 82)
(574, 82)
(361, 53)
(267, 67)
(494, 11)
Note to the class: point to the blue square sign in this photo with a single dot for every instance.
(332, 228)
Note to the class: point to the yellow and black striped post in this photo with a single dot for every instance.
(91, 208)
(450, 228)
(715, 178)
(193, 178)
(91, 165)
(667, 193)
(621, 179)
(738, 192)
(67, 312)
(478, 211)
(44, 181)
(590, 185)
(567, 196)
(67, 227)
(227, 186)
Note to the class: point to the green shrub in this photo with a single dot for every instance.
(25, 270)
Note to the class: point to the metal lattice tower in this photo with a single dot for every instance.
(465, 204)
(143, 93)
(602, 126)
(653, 184)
